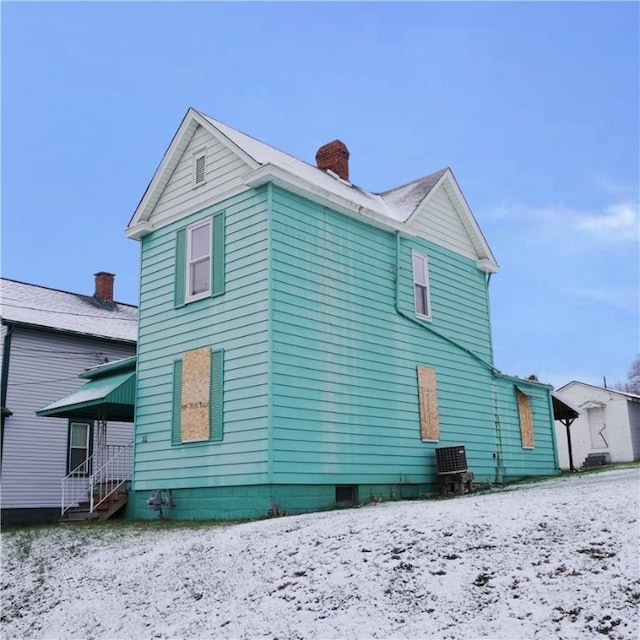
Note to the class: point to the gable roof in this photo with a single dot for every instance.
(32, 305)
(405, 199)
(392, 209)
(630, 396)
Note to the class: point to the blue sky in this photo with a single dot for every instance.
(535, 107)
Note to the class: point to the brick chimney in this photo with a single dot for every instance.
(334, 156)
(104, 286)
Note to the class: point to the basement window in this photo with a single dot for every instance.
(346, 494)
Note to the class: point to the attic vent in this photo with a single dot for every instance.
(199, 169)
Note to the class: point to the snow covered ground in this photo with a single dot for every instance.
(556, 559)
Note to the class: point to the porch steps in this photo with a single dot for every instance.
(112, 505)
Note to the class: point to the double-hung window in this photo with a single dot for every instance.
(79, 453)
(199, 252)
(421, 285)
(200, 260)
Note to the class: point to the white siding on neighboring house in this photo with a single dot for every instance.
(606, 425)
(634, 421)
(44, 367)
(223, 174)
(439, 222)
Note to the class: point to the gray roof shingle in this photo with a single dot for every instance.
(29, 304)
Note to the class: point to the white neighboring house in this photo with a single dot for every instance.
(609, 423)
(48, 337)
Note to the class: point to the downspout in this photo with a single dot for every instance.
(4, 383)
(553, 434)
(270, 338)
(424, 325)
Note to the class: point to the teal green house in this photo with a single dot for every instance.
(305, 343)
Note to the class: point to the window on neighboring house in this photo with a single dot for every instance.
(421, 285)
(199, 168)
(428, 402)
(79, 452)
(200, 258)
(197, 396)
(199, 252)
(526, 419)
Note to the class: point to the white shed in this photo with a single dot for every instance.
(609, 424)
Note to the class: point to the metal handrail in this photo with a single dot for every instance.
(111, 475)
(75, 485)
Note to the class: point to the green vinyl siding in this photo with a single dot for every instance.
(235, 321)
(345, 396)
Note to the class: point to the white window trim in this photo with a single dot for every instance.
(427, 287)
(190, 229)
(200, 153)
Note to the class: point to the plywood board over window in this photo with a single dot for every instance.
(526, 419)
(429, 421)
(195, 401)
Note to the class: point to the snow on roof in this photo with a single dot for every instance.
(631, 396)
(405, 199)
(392, 209)
(30, 304)
(264, 154)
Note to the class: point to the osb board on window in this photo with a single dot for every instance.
(526, 419)
(429, 420)
(196, 385)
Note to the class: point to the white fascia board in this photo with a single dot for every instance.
(282, 178)
(425, 200)
(488, 266)
(223, 139)
(469, 221)
(137, 231)
(486, 261)
(172, 155)
(165, 168)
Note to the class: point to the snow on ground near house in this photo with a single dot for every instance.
(556, 559)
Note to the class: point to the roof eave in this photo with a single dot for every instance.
(139, 230)
(169, 161)
(70, 332)
(486, 260)
(287, 180)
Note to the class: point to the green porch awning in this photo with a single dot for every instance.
(111, 397)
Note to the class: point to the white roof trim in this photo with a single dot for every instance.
(139, 230)
(428, 197)
(170, 160)
(292, 182)
(271, 164)
(626, 394)
(447, 181)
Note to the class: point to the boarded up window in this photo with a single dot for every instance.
(197, 396)
(194, 406)
(429, 424)
(526, 419)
